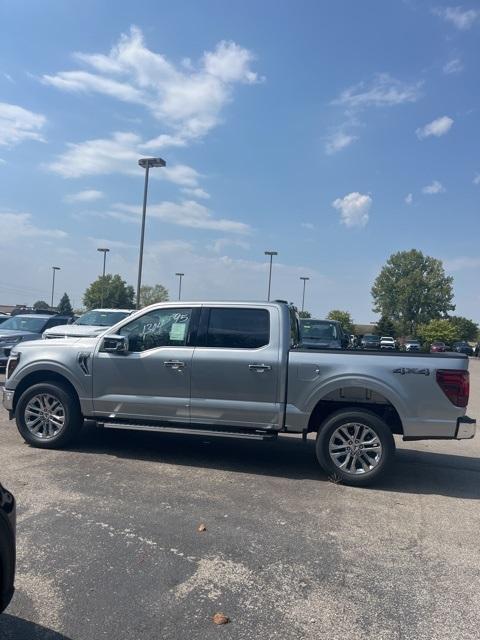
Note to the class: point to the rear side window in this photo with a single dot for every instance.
(238, 328)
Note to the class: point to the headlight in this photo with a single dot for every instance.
(12, 364)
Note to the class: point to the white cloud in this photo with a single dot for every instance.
(117, 154)
(409, 198)
(433, 188)
(453, 66)
(461, 18)
(111, 244)
(88, 195)
(197, 193)
(476, 179)
(437, 128)
(463, 262)
(307, 225)
(338, 141)
(219, 245)
(2, 161)
(186, 213)
(18, 124)
(354, 209)
(383, 91)
(189, 99)
(20, 225)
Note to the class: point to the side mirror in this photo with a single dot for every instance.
(114, 344)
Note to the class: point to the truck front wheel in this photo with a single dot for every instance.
(48, 416)
(355, 446)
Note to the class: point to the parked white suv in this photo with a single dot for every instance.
(387, 342)
(90, 325)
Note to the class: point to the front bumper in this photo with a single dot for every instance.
(7, 399)
(466, 428)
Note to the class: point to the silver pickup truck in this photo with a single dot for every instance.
(235, 369)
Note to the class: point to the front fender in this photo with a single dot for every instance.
(81, 383)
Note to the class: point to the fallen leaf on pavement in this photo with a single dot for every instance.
(201, 528)
(220, 618)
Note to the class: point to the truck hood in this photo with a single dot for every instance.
(75, 331)
(55, 343)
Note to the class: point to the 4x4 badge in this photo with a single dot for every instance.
(405, 370)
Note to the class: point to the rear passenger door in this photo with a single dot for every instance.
(235, 368)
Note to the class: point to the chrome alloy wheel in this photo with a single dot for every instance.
(355, 448)
(44, 416)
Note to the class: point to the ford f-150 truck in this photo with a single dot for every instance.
(235, 369)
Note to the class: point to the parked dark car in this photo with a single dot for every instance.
(438, 347)
(322, 334)
(370, 342)
(25, 327)
(462, 347)
(7, 547)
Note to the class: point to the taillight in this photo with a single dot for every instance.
(455, 385)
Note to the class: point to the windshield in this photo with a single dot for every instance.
(371, 338)
(101, 318)
(24, 323)
(318, 330)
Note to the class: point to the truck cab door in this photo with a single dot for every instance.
(150, 379)
(236, 369)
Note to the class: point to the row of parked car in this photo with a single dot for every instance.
(35, 326)
(329, 334)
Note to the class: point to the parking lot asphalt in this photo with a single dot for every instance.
(109, 547)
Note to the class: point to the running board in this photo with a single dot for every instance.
(247, 434)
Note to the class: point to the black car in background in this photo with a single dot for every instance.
(322, 334)
(370, 342)
(462, 347)
(25, 327)
(7, 547)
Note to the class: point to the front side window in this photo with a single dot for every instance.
(159, 328)
(238, 328)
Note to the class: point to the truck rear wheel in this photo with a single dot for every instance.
(355, 446)
(48, 416)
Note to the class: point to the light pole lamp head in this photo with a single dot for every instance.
(103, 249)
(151, 162)
(304, 278)
(180, 274)
(271, 253)
(56, 268)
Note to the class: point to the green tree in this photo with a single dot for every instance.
(412, 289)
(114, 292)
(304, 314)
(466, 329)
(344, 318)
(64, 306)
(386, 327)
(151, 295)
(439, 329)
(41, 305)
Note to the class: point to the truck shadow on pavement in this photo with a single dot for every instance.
(13, 628)
(416, 472)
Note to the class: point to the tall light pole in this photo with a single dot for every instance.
(304, 278)
(103, 250)
(53, 283)
(271, 254)
(180, 276)
(145, 163)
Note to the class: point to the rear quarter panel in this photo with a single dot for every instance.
(408, 382)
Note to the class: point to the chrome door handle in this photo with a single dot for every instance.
(259, 367)
(174, 364)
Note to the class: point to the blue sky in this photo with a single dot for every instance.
(333, 132)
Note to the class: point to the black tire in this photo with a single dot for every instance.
(72, 417)
(363, 467)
